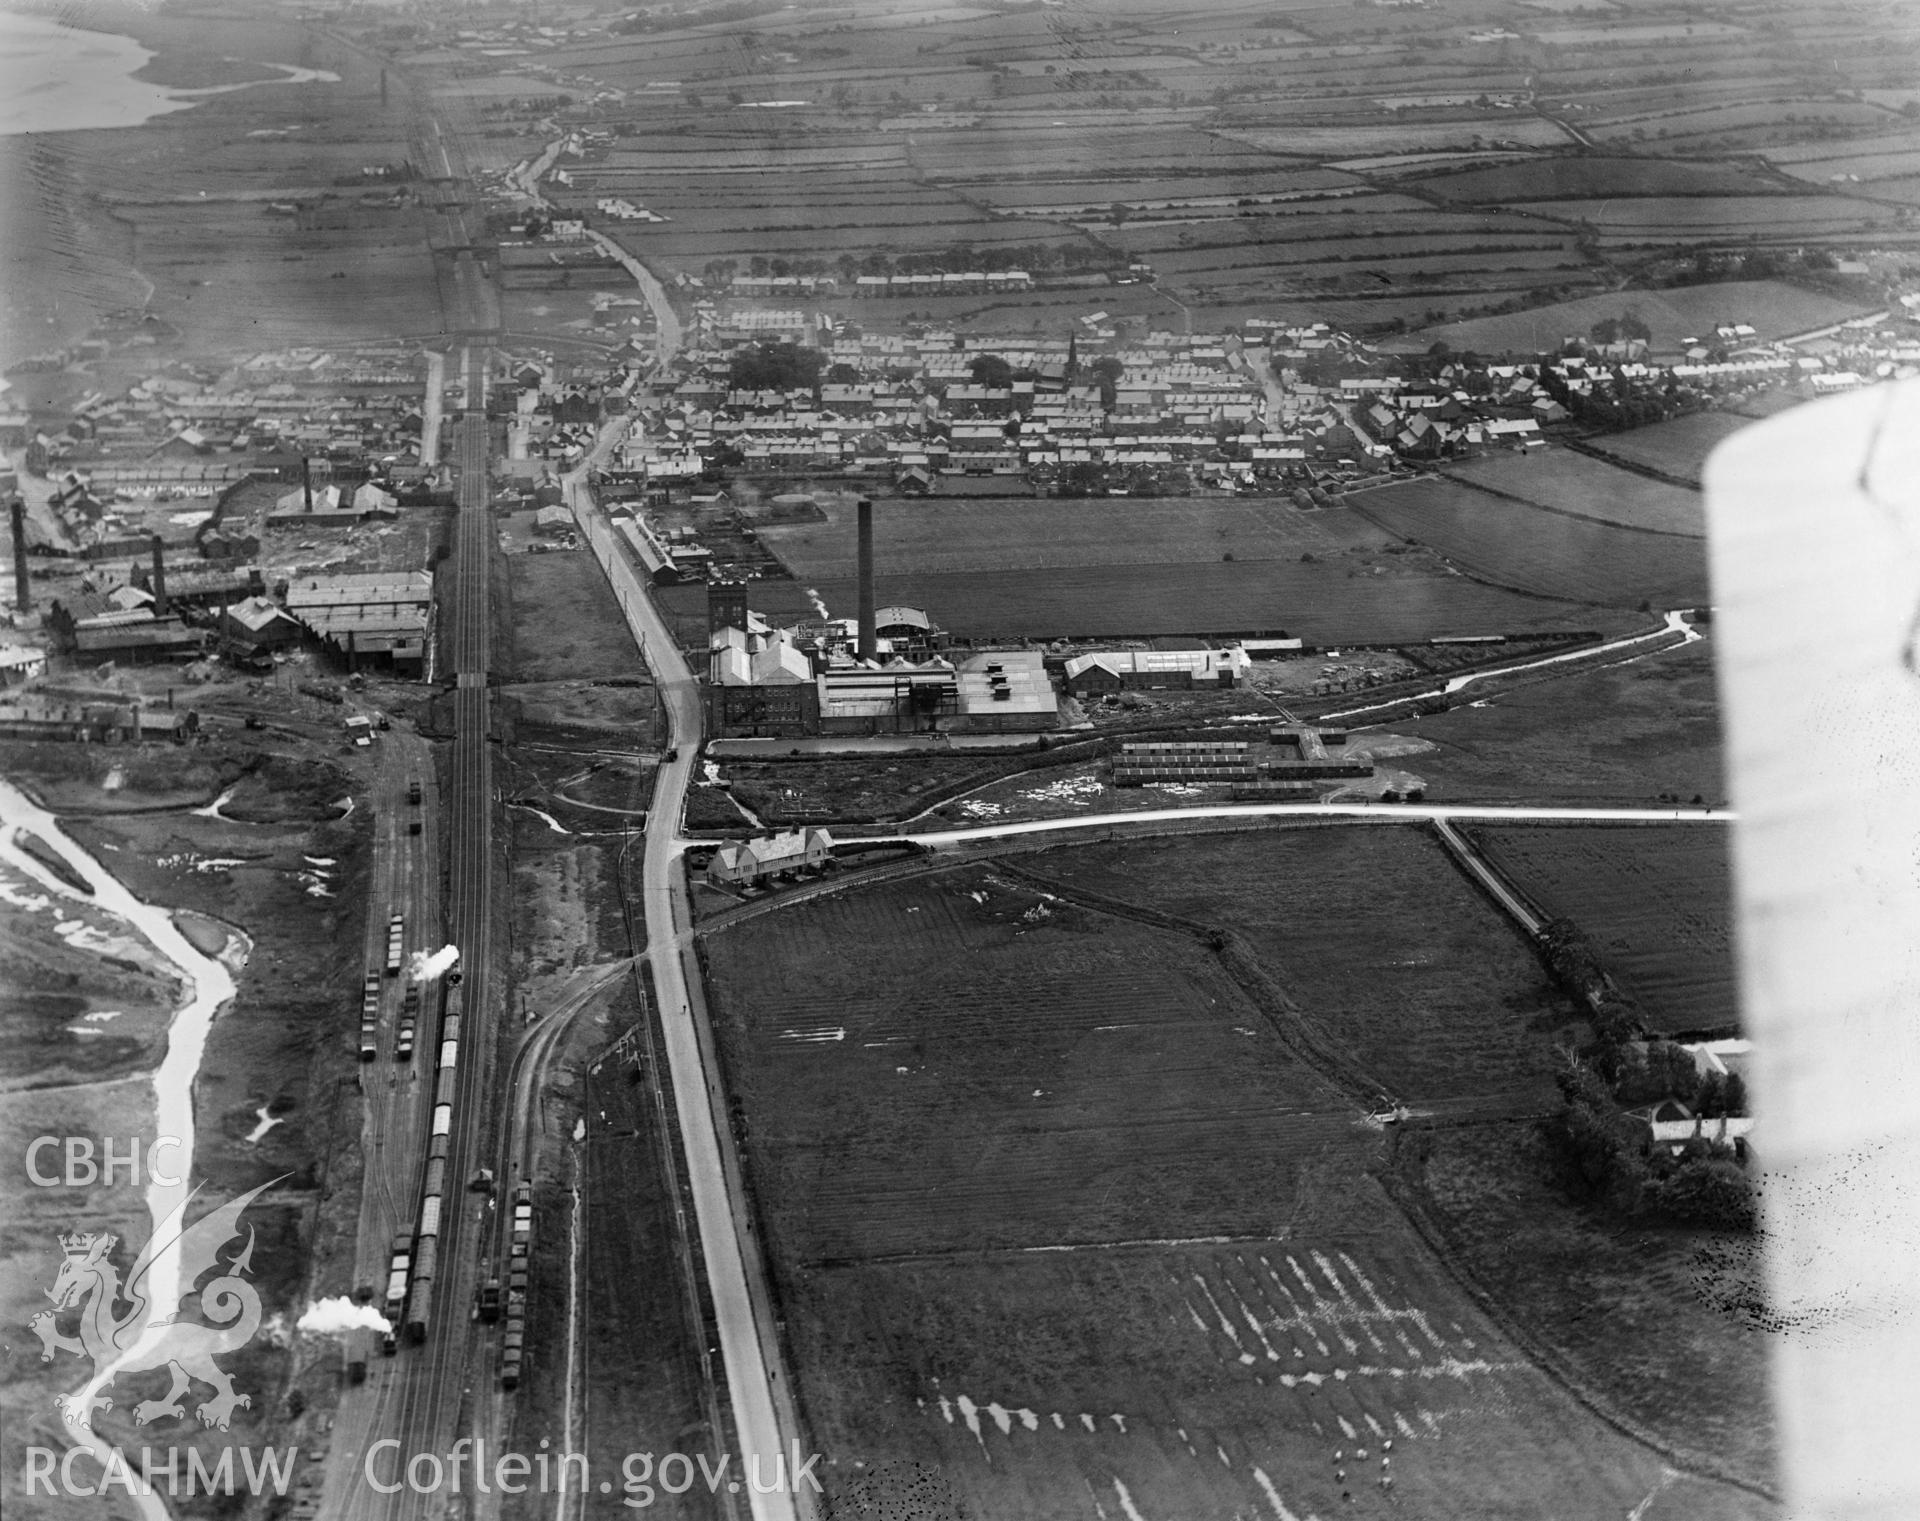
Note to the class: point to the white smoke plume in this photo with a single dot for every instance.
(423, 966)
(819, 606)
(339, 1315)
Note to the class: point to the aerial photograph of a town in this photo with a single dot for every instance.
(899, 760)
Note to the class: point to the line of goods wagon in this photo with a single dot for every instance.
(513, 1343)
(433, 1188)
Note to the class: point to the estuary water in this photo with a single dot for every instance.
(56, 78)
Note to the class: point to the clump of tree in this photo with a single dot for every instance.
(775, 367)
(1611, 1158)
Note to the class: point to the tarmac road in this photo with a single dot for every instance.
(763, 1409)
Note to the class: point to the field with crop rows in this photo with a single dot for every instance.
(1580, 486)
(1679, 446)
(1655, 903)
(1548, 554)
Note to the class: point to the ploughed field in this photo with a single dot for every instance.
(1114, 566)
(1655, 904)
(1069, 1207)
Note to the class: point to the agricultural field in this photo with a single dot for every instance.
(1500, 1199)
(893, 1098)
(1773, 308)
(1107, 567)
(935, 536)
(1215, 145)
(1572, 178)
(1721, 218)
(1633, 733)
(1678, 447)
(1656, 904)
(1510, 544)
(1580, 486)
(1382, 946)
(993, 1152)
(1328, 602)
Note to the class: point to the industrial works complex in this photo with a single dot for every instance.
(888, 671)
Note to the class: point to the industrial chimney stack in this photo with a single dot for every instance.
(22, 595)
(306, 481)
(867, 647)
(159, 578)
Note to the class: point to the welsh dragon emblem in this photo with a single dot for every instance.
(148, 1335)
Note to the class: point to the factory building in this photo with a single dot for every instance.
(1104, 671)
(1007, 691)
(881, 672)
(380, 616)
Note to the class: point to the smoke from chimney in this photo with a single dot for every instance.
(22, 594)
(868, 642)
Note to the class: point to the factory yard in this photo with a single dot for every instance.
(1068, 1202)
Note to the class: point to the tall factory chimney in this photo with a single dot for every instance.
(867, 645)
(159, 578)
(22, 594)
(306, 481)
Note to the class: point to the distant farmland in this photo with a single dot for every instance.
(1656, 905)
(1511, 544)
(1774, 309)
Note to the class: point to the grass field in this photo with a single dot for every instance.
(1694, 219)
(1583, 487)
(1656, 904)
(1324, 603)
(1572, 178)
(566, 623)
(935, 537)
(1378, 939)
(947, 1088)
(1545, 553)
(1678, 447)
(1624, 734)
(1109, 567)
(982, 1150)
(1497, 1195)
